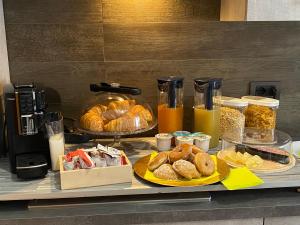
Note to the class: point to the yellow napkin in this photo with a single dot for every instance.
(200, 181)
(240, 178)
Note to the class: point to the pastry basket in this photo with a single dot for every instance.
(115, 111)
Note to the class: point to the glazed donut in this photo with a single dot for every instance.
(158, 160)
(204, 164)
(196, 150)
(180, 152)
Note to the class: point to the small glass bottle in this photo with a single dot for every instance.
(170, 105)
(207, 109)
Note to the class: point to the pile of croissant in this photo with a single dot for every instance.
(117, 116)
(184, 162)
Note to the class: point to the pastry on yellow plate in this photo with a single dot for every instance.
(166, 172)
(158, 160)
(186, 169)
(204, 164)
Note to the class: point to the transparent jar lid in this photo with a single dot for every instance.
(262, 101)
(234, 102)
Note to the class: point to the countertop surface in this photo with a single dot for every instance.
(49, 188)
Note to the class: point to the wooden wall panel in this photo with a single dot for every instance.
(127, 11)
(53, 11)
(54, 42)
(206, 40)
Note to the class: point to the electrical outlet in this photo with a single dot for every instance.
(270, 89)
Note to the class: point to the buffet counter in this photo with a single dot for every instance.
(49, 188)
(136, 202)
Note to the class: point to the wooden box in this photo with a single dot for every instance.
(95, 177)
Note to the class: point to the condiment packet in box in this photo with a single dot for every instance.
(100, 156)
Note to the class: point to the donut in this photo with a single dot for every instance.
(204, 164)
(158, 160)
(196, 150)
(180, 152)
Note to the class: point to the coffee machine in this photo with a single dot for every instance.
(26, 141)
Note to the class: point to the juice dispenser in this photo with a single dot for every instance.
(207, 109)
(170, 105)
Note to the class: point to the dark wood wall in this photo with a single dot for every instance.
(64, 45)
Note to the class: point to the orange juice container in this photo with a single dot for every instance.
(207, 109)
(170, 104)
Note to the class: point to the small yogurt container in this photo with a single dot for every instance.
(202, 142)
(163, 141)
(196, 134)
(184, 140)
(180, 133)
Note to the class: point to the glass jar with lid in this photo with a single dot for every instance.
(260, 118)
(232, 118)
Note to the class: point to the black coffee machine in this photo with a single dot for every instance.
(26, 140)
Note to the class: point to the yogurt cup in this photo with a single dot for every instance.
(180, 133)
(163, 141)
(196, 134)
(184, 140)
(202, 142)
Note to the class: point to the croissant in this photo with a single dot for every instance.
(121, 105)
(92, 121)
(126, 123)
(117, 109)
(98, 109)
(140, 111)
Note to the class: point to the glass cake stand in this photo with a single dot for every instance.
(281, 140)
(117, 136)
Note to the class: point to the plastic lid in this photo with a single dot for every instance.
(181, 133)
(262, 101)
(163, 136)
(177, 80)
(230, 101)
(203, 137)
(216, 83)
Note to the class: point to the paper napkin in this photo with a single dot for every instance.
(241, 178)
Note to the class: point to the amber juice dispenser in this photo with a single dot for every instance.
(170, 105)
(207, 109)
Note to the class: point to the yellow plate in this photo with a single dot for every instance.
(222, 171)
(267, 166)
